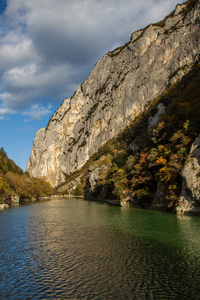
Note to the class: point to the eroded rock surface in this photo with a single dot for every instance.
(120, 87)
(190, 194)
(96, 179)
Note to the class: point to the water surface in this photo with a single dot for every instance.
(74, 249)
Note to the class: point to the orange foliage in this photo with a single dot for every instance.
(161, 161)
(143, 157)
(115, 151)
(164, 174)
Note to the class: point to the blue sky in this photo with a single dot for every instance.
(48, 48)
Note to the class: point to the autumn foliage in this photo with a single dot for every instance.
(161, 151)
(14, 182)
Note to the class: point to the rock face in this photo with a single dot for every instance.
(154, 120)
(71, 186)
(119, 88)
(190, 194)
(14, 199)
(2, 206)
(96, 177)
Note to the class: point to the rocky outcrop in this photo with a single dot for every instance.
(69, 187)
(2, 206)
(153, 121)
(97, 173)
(118, 89)
(11, 200)
(14, 199)
(190, 195)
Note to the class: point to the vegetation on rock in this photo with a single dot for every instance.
(8, 165)
(13, 182)
(161, 151)
(119, 88)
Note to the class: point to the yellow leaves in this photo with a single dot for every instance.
(120, 175)
(172, 192)
(161, 161)
(164, 174)
(141, 193)
(172, 187)
(125, 181)
(27, 187)
(167, 163)
(130, 162)
(3, 185)
(179, 138)
(162, 155)
(164, 150)
(157, 130)
(119, 180)
(186, 125)
(115, 168)
(159, 155)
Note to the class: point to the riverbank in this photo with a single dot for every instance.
(34, 200)
(2, 206)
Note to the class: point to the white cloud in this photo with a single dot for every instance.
(49, 47)
(24, 85)
(14, 55)
(37, 112)
(5, 111)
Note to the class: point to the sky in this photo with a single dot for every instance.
(48, 48)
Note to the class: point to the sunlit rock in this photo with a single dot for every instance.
(190, 194)
(122, 84)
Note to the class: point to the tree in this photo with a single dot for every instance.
(2, 151)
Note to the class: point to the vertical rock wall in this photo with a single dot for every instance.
(118, 89)
(190, 194)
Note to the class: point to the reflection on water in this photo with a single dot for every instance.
(74, 249)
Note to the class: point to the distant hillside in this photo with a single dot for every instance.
(16, 186)
(8, 165)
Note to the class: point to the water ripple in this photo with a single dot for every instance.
(71, 249)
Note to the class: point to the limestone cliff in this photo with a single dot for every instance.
(158, 168)
(120, 87)
(190, 193)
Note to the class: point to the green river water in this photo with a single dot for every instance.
(75, 249)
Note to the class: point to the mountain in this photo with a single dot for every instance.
(154, 162)
(122, 86)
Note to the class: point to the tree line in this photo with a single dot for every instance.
(14, 182)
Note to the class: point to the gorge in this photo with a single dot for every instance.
(122, 86)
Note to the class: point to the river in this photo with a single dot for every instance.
(75, 249)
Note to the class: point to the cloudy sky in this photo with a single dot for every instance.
(49, 47)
